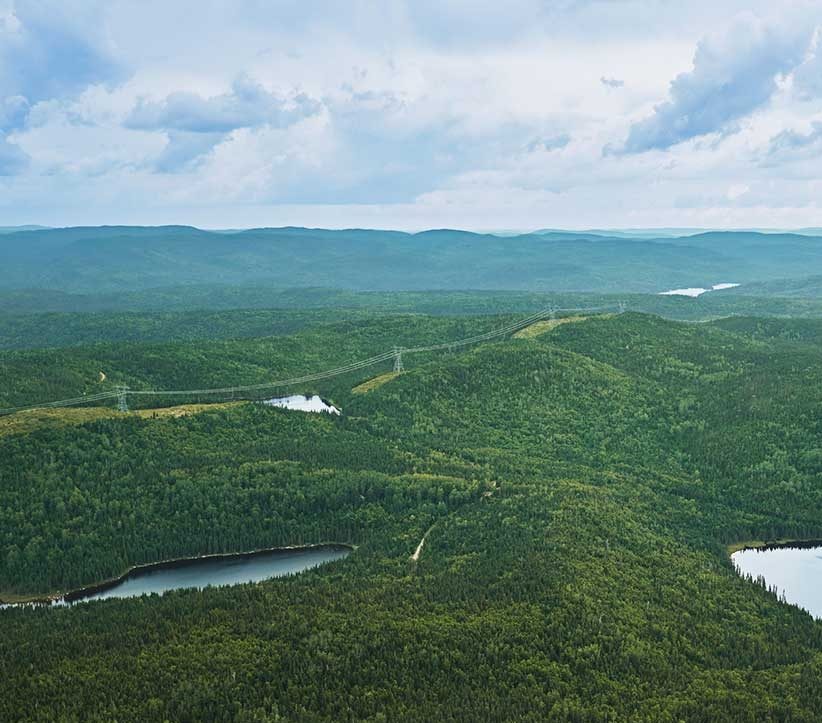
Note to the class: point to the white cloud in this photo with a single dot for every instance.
(791, 142)
(12, 158)
(735, 72)
(808, 76)
(247, 105)
(612, 82)
(51, 49)
(427, 113)
(194, 125)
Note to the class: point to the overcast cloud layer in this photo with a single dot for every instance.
(411, 113)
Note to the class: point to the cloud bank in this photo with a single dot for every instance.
(576, 113)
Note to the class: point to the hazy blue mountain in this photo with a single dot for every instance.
(670, 233)
(15, 229)
(117, 258)
(643, 233)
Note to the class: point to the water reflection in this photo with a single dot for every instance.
(303, 404)
(794, 571)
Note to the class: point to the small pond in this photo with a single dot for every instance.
(794, 570)
(303, 404)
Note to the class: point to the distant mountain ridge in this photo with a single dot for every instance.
(667, 233)
(117, 258)
(15, 229)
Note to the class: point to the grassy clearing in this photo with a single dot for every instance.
(28, 421)
(367, 386)
(183, 410)
(541, 327)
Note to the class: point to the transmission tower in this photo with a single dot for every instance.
(122, 397)
(621, 307)
(398, 367)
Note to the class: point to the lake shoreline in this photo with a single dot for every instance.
(801, 544)
(789, 570)
(80, 593)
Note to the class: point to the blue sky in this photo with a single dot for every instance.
(411, 114)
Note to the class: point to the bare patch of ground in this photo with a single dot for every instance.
(367, 386)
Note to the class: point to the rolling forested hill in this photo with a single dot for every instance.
(233, 298)
(580, 487)
(31, 320)
(104, 259)
(806, 287)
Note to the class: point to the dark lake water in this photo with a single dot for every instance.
(794, 571)
(221, 571)
(209, 571)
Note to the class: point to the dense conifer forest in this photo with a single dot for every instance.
(579, 488)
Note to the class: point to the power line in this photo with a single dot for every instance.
(122, 397)
(60, 403)
(121, 392)
(353, 366)
(398, 367)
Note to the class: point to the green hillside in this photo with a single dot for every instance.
(60, 329)
(34, 319)
(35, 375)
(805, 287)
(580, 488)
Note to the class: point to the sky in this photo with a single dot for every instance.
(412, 114)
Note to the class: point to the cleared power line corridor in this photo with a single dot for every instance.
(121, 393)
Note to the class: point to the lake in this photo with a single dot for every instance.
(214, 570)
(795, 571)
(303, 404)
(695, 291)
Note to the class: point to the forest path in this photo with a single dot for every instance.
(418, 551)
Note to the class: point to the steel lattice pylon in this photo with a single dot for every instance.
(122, 398)
(398, 368)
